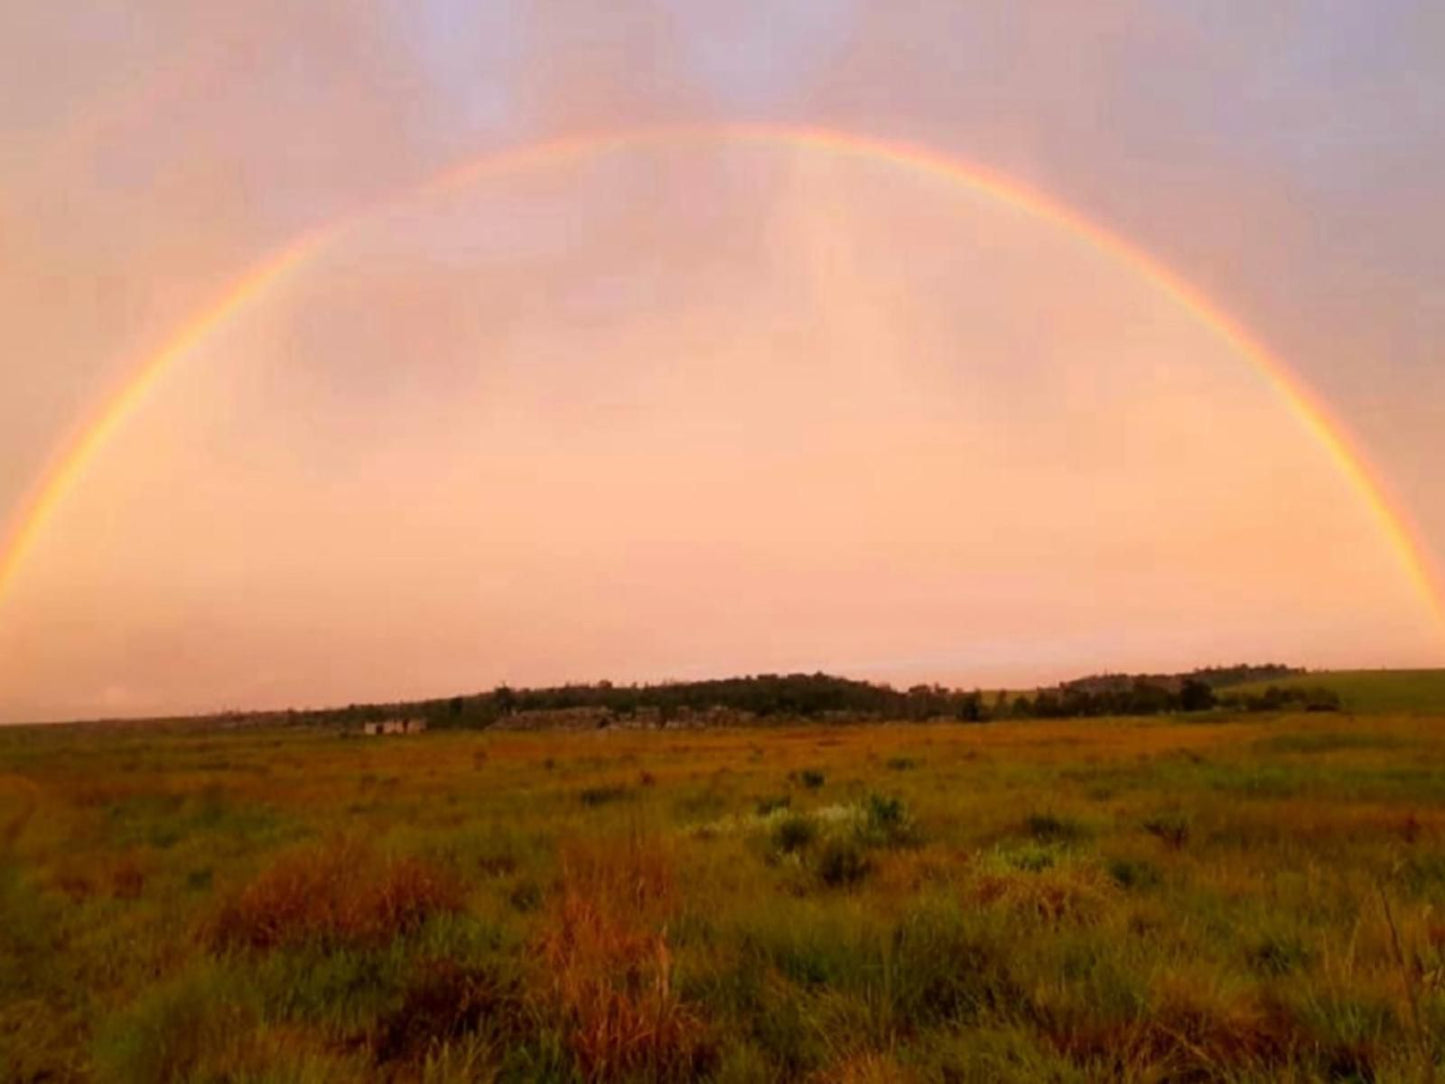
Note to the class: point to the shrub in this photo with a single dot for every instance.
(338, 894)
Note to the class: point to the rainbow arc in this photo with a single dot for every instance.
(252, 288)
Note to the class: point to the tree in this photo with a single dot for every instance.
(1195, 695)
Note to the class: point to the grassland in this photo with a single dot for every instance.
(1370, 691)
(1220, 899)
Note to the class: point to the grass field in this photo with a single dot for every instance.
(1371, 691)
(1222, 899)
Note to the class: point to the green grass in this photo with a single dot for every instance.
(1370, 692)
(1143, 900)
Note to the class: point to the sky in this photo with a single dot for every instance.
(678, 405)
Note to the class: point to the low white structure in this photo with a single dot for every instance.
(395, 726)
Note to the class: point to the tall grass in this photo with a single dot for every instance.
(1235, 899)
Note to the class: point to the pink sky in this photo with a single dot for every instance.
(683, 410)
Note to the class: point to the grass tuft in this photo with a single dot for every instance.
(341, 893)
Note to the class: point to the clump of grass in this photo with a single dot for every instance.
(338, 894)
(1280, 954)
(76, 884)
(1031, 858)
(1172, 829)
(185, 1029)
(1055, 895)
(773, 803)
(1050, 828)
(609, 969)
(886, 822)
(127, 879)
(843, 863)
(443, 1003)
(794, 833)
(603, 795)
(525, 896)
(1134, 873)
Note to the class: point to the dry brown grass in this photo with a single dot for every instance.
(1187, 1036)
(866, 1068)
(609, 967)
(127, 878)
(341, 892)
(1053, 896)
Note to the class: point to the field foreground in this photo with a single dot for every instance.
(1256, 899)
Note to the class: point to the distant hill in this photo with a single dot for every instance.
(761, 698)
(1368, 692)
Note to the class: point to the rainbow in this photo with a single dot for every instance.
(76, 455)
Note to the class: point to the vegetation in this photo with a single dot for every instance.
(1370, 691)
(1213, 897)
(780, 698)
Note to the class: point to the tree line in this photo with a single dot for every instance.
(766, 697)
